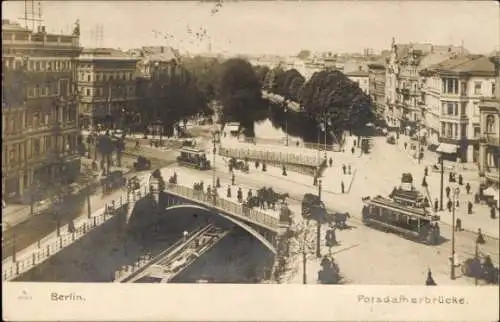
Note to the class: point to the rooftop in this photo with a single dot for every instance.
(469, 64)
(105, 54)
(357, 73)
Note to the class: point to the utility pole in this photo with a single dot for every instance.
(318, 225)
(452, 272)
(441, 164)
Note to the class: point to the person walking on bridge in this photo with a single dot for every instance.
(233, 179)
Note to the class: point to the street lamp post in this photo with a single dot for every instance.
(318, 225)
(215, 140)
(452, 272)
(441, 164)
(418, 142)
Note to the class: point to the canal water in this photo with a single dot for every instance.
(238, 258)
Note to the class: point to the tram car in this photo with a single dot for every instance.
(192, 157)
(385, 213)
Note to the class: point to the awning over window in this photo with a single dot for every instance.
(447, 148)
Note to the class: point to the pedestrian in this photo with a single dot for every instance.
(457, 204)
(217, 182)
(315, 180)
(458, 225)
(229, 191)
(467, 187)
(426, 171)
(344, 168)
(352, 150)
(460, 179)
(405, 144)
(256, 164)
(233, 179)
(239, 195)
(284, 171)
(424, 182)
(342, 187)
(354, 143)
(436, 205)
(449, 204)
(480, 237)
(249, 194)
(469, 208)
(264, 167)
(448, 190)
(209, 190)
(430, 280)
(493, 212)
(349, 169)
(330, 161)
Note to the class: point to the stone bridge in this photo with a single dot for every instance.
(264, 227)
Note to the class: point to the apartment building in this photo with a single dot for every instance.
(403, 96)
(376, 86)
(452, 91)
(489, 124)
(106, 82)
(361, 78)
(39, 111)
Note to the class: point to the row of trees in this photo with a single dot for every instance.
(328, 97)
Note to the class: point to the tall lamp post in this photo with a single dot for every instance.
(318, 224)
(441, 165)
(455, 196)
(215, 140)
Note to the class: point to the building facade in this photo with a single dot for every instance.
(107, 84)
(403, 82)
(376, 89)
(453, 90)
(489, 146)
(39, 111)
(361, 78)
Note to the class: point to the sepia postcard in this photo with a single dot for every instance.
(250, 160)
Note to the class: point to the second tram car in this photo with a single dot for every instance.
(192, 157)
(412, 221)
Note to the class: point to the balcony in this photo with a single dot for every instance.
(454, 118)
(491, 139)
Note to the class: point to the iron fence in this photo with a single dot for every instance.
(270, 156)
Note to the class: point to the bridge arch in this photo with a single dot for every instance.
(246, 227)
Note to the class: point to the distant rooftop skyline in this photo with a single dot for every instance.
(273, 27)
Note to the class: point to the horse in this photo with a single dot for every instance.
(252, 202)
(340, 219)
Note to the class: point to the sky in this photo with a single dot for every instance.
(273, 27)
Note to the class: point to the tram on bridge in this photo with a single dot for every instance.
(195, 158)
(415, 222)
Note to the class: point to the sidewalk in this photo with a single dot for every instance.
(97, 202)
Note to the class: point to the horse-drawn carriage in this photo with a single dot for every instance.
(195, 158)
(134, 183)
(266, 197)
(387, 214)
(142, 163)
(239, 165)
(484, 270)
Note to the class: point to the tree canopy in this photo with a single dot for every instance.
(330, 94)
(304, 54)
(240, 94)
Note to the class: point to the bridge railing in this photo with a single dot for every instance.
(270, 156)
(248, 214)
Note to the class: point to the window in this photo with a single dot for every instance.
(88, 78)
(87, 92)
(450, 85)
(463, 88)
(477, 88)
(477, 131)
(463, 130)
(493, 88)
(30, 92)
(476, 109)
(463, 109)
(443, 129)
(63, 87)
(449, 132)
(36, 146)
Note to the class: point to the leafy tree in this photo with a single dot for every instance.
(331, 95)
(291, 83)
(261, 72)
(240, 94)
